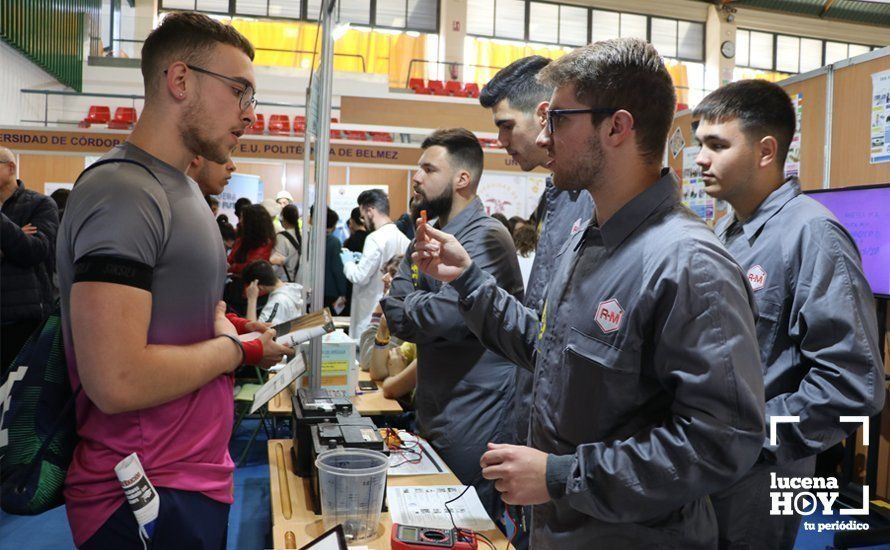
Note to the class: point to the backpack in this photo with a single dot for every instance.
(38, 431)
(292, 277)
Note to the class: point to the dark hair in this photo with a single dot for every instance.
(762, 108)
(226, 231)
(517, 84)
(463, 148)
(374, 198)
(211, 200)
(60, 197)
(332, 220)
(356, 216)
(622, 73)
(255, 230)
(260, 271)
(501, 218)
(291, 215)
(391, 266)
(240, 204)
(188, 37)
(526, 239)
(513, 221)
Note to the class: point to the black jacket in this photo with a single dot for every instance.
(26, 261)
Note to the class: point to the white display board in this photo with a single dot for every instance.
(345, 197)
(241, 185)
(511, 194)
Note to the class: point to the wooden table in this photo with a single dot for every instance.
(293, 522)
(367, 403)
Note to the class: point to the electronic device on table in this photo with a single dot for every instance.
(410, 537)
(344, 431)
(312, 407)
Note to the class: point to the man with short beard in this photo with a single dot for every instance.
(463, 390)
(648, 392)
(141, 273)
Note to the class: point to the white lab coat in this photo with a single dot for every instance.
(367, 284)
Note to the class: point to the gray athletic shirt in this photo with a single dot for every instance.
(119, 210)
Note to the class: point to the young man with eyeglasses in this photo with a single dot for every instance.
(648, 393)
(141, 272)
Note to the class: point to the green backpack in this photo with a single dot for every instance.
(37, 427)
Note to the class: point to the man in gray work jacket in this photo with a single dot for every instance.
(648, 392)
(463, 391)
(817, 326)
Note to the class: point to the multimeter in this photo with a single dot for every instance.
(409, 537)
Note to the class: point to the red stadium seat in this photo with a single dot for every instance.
(299, 125)
(437, 87)
(279, 125)
(258, 127)
(472, 89)
(355, 135)
(453, 87)
(124, 119)
(415, 83)
(98, 114)
(381, 136)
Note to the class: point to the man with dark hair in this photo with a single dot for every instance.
(817, 327)
(463, 391)
(357, 231)
(383, 242)
(518, 102)
(335, 282)
(285, 299)
(648, 394)
(141, 273)
(211, 177)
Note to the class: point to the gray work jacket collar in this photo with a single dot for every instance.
(474, 209)
(663, 193)
(770, 206)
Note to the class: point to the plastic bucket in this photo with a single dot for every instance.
(352, 483)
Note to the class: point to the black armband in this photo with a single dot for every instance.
(113, 269)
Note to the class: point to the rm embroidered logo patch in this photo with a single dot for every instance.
(609, 315)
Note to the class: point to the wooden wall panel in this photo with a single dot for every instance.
(812, 129)
(851, 123)
(417, 112)
(36, 170)
(396, 180)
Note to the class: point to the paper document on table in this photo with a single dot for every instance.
(416, 457)
(302, 329)
(277, 383)
(426, 506)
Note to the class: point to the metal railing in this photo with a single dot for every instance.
(314, 53)
(449, 64)
(131, 98)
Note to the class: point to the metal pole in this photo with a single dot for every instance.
(322, 142)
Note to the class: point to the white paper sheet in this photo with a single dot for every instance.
(425, 507)
(401, 463)
(277, 383)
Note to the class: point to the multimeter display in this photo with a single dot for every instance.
(409, 534)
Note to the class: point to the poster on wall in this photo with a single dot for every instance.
(511, 194)
(693, 187)
(792, 161)
(241, 185)
(345, 197)
(880, 117)
(677, 142)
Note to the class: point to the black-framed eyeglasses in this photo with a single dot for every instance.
(553, 115)
(246, 94)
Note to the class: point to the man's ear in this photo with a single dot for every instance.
(463, 180)
(768, 151)
(541, 113)
(620, 127)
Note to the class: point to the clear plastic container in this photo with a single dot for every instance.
(352, 483)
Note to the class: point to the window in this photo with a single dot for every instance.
(664, 36)
(572, 26)
(213, 6)
(480, 17)
(678, 39)
(543, 22)
(760, 52)
(633, 26)
(790, 54)
(787, 54)
(509, 15)
(604, 25)
(810, 54)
